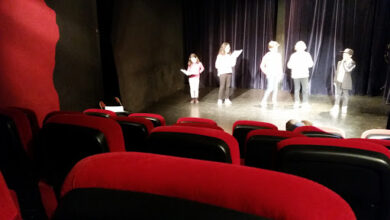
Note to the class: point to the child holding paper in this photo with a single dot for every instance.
(195, 68)
(224, 64)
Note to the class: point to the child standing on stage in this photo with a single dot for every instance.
(343, 81)
(299, 63)
(271, 65)
(195, 68)
(224, 64)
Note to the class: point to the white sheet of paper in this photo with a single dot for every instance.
(115, 108)
(236, 53)
(185, 72)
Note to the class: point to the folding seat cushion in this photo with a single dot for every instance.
(261, 147)
(157, 120)
(66, 139)
(311, 131)
(358, 171)
(8, 206)
(100, 112)
(194, 142)
(146, 186)
(241, 128)
(135, 132)
(376, 134)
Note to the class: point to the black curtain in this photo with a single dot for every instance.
(245, 24)
(329, 26)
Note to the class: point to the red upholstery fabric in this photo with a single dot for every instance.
(109, 127)
(201, 125)
(49, 198)
(50, 114)
(345, 143)
(159, 117)
(101, 111)
(276, 133)
(255, 123)
(304, 129)
(385, 143)
(264, 193)
(22, 124)
(8, 208)
(148, 124)
(227, 138)
(196, 120)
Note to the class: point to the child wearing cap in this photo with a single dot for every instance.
(343, 81)
(271, 66)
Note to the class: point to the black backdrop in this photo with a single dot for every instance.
(326, 26)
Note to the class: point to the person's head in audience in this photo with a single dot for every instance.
(292, 124)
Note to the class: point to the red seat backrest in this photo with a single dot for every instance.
(8, 206)
(263, 193)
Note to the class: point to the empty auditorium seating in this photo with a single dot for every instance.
(145, 186)
(67, 138)
(135, 132)
(376, 134)
(194, 142)
(8, 205)
(311, 131)
(358, 171)
(157, 119)
(100, 112)
(242, 127)
(261, 147)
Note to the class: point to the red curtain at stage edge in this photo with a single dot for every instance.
(28, 37)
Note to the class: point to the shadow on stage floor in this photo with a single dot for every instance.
(363, 112)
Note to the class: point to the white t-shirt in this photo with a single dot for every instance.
(225, 63)
(299, 63)
(271, 64)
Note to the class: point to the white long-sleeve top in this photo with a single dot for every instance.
(225, 63)
(299, 63)
(271, 64)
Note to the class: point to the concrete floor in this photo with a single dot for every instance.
(363, 113)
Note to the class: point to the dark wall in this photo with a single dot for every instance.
(148, 50)
(77, 75)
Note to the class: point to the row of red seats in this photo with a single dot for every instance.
(76, 136)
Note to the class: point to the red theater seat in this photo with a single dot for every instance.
(100, 113)
(135, 132)
(261, 147)
(194, 142)
(104, 186)
(157, 120)
(8, 206)
(358, 171)
(376, 134)
(16, 161)
(311, 131)
(53, 113)
(198, 122)
(241, 128)
(66, 139)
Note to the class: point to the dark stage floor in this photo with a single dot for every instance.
(363, 113)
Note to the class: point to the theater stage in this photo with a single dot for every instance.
(363, 112)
